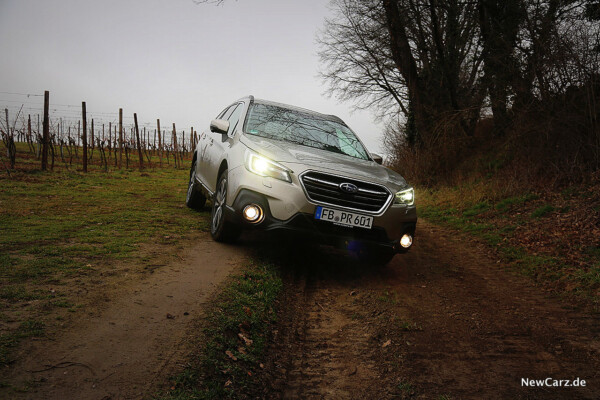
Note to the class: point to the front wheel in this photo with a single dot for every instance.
(194, 198)
(220, 229)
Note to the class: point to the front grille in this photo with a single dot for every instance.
(325, 189)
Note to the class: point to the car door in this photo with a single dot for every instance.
(204, 152)
(218, 145)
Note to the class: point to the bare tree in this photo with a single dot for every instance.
(419, 58)
(357, 61)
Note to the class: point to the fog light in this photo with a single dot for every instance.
(253, 213)
(406, 241)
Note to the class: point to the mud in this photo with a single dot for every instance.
(445, 321)
(128, 344)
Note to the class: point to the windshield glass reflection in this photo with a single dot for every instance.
(273, 122)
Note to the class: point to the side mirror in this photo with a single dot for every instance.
(377, 158)
(219, 126)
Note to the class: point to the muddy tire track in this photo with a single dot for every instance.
(330, 349)
(444, 321)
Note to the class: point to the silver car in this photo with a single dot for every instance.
(276, 167)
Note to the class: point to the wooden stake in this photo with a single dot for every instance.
(120, 136)
(31, 148)
(84, 135)
(175, 144)
(109, 138)
(159, 142)
(46, 131)
(139, 145)
(37, 135)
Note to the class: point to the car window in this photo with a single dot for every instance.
(226, 112)
(304, 128)
(234, 118)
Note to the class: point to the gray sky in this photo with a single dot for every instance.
(167, 59)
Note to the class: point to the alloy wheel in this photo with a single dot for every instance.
(219, 203)
(190, 190)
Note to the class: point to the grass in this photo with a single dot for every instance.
(468, 222)
(542, 211)
(476, 209)
(510, 203)
(64, 225)
(27, 329)
(14, 293)
(388, 297)
(66, 214)
(234, 337)
(409, 326)
(406, 388)
(524, 229)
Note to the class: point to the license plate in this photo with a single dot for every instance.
(343, 218)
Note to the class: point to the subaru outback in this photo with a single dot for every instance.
(275, 167)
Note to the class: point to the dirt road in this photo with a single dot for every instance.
(132, 337)
(445, 321)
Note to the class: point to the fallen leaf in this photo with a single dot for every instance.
(245, 339)
(230, 355)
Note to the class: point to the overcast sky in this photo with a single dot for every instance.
(168, 59)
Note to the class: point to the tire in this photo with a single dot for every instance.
(194, 198)
(222, 230)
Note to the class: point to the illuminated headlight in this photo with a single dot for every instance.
(406, 197)
(264, 167)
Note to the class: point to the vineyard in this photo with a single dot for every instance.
(58, 136)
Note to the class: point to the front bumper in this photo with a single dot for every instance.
(386, 231)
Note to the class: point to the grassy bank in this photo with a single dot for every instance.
(551, 236)
(227, 362)
(64, 232)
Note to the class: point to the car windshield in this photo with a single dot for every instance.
(273, 122)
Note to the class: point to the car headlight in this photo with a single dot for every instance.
(262, 166)
(406, 197)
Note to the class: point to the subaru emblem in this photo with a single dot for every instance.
(348, 187)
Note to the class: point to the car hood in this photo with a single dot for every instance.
(300, 158)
